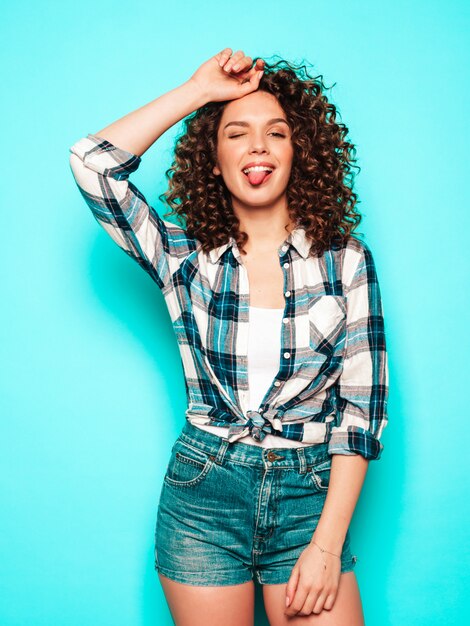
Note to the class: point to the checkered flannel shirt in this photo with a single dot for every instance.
(332, 382)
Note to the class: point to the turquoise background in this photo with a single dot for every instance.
(92, 390)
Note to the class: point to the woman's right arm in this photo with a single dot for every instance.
(102, 162)
(138, 130)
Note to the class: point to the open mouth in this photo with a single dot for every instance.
(258, 176)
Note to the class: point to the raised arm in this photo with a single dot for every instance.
(102, 162)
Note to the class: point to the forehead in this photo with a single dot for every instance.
(256, 106)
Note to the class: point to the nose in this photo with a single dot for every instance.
(258, 142)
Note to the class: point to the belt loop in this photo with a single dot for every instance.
(221, 452)
(303, 462)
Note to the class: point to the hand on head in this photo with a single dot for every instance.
(227, 76)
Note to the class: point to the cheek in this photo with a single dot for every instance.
(289, 153)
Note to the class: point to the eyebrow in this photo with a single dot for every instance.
(273, 121)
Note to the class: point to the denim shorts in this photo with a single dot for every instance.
(229, 511)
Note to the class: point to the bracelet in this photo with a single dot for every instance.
(323, 550)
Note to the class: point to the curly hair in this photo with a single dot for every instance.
(320, 194)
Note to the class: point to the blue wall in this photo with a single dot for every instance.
(89, 411)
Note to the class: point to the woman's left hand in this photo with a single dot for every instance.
(311, 587)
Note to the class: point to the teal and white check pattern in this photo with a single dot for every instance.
(332, 382)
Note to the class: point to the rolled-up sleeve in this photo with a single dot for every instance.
(362, 387)
(101, 171)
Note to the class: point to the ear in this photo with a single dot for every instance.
(216, 171)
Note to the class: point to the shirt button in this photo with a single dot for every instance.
(285, 320)
(286, 355)
(287, 294)
(286, 264)
(284, 248)
(276, 383)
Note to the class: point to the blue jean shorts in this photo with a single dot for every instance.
(229, 512)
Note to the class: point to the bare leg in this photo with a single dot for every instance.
(192, 605)
(346, 611)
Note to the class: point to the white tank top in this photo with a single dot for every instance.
(264, 342)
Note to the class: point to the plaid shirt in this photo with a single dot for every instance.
(332, 382)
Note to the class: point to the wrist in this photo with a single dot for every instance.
(198, 95)
(331, 542)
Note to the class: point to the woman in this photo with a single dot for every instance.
(277, 312)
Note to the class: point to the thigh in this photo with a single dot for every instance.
(191, 605)
(346, 610)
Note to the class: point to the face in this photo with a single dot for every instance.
(254, 129)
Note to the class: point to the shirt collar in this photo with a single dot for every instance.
(297, 238)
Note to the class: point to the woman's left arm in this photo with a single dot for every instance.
(346, 479)
(312, 587)
(362, 394)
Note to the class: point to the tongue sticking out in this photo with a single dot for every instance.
(256, 178)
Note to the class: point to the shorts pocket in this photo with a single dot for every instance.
(320, 474)
(187, 466)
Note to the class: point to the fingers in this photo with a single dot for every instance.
(320, 603)
(251, 80)
(312, 604)
(257, 67)
(292, 585)
(308, 599)
(249, 85)
(247, 62)
(299, 600)
(238, 61)
(223, 56)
